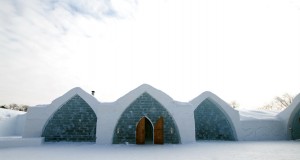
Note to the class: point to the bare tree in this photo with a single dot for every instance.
(23, 108)
(13, 106)
(234, 104)
(279, 102)
(284, 101)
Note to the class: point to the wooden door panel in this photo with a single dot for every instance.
(159, 131)
(140, 132)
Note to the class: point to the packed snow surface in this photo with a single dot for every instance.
(258, 114)
(206, 150)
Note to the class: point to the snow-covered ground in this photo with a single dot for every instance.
(207, 150)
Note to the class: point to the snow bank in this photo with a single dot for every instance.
(261, 125)
(248, 115)
(11, 122)
(19, 142)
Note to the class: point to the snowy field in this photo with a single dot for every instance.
(279, 150)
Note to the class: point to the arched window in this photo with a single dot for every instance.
(211, 123)
(75, 121)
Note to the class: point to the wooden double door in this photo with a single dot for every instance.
(146, 134)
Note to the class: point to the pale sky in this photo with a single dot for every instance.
(247, 51)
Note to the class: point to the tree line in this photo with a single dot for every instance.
(278, 103)
(18, 107)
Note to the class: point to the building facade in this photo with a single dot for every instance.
(146, 115)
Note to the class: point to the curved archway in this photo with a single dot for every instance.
(144, 132)
(74, 121)
(145, 106)
(211, 123)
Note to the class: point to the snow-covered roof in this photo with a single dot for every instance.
(159, 95)
(58, 102)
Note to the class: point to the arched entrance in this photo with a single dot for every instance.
(164, 128)
(144, 132)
